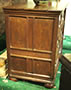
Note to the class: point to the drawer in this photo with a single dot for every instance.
(31, 54)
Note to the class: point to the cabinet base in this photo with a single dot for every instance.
(13, 79)
(49, 85)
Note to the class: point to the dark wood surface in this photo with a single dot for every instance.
(65, 78)
(66, 63)
(34, 38)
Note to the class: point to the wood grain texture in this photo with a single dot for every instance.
(40, 34)
(32, 34)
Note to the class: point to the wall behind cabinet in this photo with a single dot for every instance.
(6, 3)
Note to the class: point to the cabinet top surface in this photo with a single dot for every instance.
(49, 6)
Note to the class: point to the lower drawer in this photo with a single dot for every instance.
(29, 67)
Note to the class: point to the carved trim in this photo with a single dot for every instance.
(36, 58)
(28, 49)
(31, 78)
(16, 48)
(42, 51)
(30, 73)
(36, 17)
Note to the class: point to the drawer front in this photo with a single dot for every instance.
(29, 67)
(30, 54)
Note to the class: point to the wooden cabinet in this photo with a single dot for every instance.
(34, 37)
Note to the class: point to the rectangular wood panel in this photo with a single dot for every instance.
(41, 67)
(21, 65)
(18, 64)
(42, 34)
(20, 33)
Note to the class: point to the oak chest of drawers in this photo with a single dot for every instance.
(34, 36)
